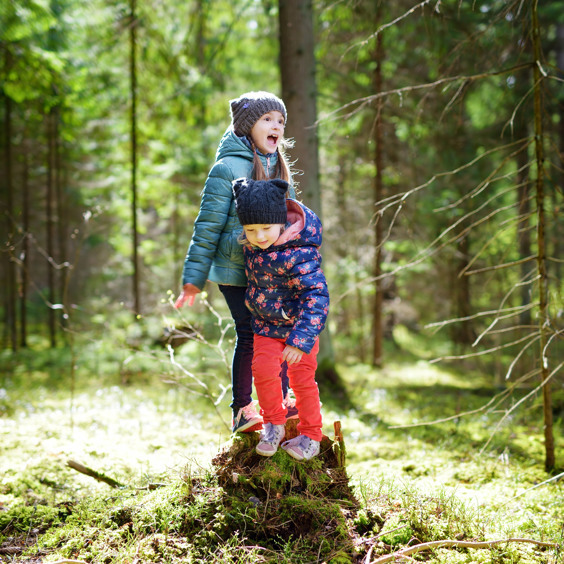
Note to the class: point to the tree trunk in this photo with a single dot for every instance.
(299, 92)
(463, 332)
(133, 94)
(557, 206)
(50, 247)
(377, 323)
(25, 249)
(544, 322)
(524, 233)
(8, 223)
(62, 222)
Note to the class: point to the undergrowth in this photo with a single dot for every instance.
(193, 494)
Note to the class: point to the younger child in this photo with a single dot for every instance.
(288, 299)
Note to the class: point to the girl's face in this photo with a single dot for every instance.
(268, 132)
(262, 236)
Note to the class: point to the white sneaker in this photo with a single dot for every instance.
(270, 437)
(246, 418)
(302, 447)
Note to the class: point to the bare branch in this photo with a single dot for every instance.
(511, 311)
(523, 399)
(395, 556)
(557, 477)
(94, 474)
(481, 353)
(361, 103)
(490, 406)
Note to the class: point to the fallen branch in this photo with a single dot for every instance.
(11, 549)
(404, 552)
(93, 474)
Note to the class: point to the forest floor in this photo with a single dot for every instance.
(476, 478)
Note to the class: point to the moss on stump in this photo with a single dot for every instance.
(282, 498)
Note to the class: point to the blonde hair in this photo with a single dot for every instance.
(242, 239)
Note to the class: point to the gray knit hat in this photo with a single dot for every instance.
(248, 108)
(260, 202)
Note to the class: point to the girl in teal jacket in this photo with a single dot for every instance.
(252, 147)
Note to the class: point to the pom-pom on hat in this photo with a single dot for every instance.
(260, 202)
(248, 108)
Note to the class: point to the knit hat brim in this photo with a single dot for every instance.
(248, 109)
(260, 202)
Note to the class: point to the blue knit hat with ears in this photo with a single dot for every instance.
(248, 108)
(260, 202)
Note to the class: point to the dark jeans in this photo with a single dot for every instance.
(241, 371)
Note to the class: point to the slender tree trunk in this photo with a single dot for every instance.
(25, 250)
(544, 322)
(50, 248)
(61, 229)
(557, 206)
(202, 18)
(133, 94)
(377, 322)
(524, 232)
(463, 333)
(8, 221)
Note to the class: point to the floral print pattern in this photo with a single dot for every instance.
(287, 292)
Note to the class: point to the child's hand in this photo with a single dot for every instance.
(188, 294)
(292, 355)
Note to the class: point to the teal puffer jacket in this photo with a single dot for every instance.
(214, 253)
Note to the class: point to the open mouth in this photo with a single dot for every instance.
(273, 139)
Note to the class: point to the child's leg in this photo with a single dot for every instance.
(302, 381)
(267, 359)
(241, 373)
(284, 378)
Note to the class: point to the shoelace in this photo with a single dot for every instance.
(269, 434)
(301, 441)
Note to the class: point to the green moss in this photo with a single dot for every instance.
(396, 531)
(250, 508)
(16, 517)
(341, 557)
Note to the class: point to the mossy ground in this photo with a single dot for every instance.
(193, 494)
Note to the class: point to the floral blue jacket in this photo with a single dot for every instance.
(287, 292)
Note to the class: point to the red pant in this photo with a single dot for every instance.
(267, 359)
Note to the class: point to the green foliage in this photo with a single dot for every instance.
(20, 19)
(451, 155)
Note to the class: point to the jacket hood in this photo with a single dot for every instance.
(305, 227)
(233, 146)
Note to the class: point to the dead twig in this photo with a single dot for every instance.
(93, 474)
(557, 477)
(404, 552)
